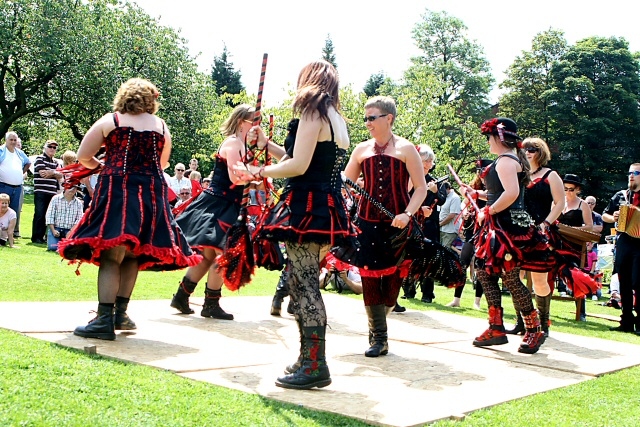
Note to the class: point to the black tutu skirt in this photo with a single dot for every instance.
(207, 219)
(308, 215)
(132, 211)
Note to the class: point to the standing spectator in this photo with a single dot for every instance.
(129, 226)
(448, 213)
(598, 223)
(16, 230)
(193, 165)
(627, 258)
(13, 164)
(64, 211)
(7, 221)
(179, 181)
(46, 184)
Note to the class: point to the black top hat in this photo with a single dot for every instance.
(508, 126)
(572, 179)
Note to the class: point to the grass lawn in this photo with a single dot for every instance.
(43, 384)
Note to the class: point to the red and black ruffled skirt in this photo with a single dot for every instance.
(131, 211)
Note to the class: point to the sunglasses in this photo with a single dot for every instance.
(52, 146)
(570, 190)
(372, 118)
(634, 173)
(532, 149)
(591, 203)
(184, 194)
(179, 170)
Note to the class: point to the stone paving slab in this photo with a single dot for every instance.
(431, 361)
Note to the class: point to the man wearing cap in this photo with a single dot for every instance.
(13, 164)
(64, 212)
(46, 185)
(627, 260)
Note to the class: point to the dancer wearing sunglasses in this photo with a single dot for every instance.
(389, 163)
(544, 199)
(206, 220)
(311, 215)
(627, 259)
(507, 231)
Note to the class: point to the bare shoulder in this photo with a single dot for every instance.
(360, 150)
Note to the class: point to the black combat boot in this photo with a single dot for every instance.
(313, 371)
(181, 297)
(211, 307)
(122, 321)
(101, 326)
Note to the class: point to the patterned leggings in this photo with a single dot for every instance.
(511, 280)
(381, 290)
(304, 283)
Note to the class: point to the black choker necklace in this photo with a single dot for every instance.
(536, 171)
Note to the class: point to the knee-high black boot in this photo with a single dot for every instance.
(122, 321)
(543, 304)
(211, 307)
(101, 326)
(282, 290)
(377, 315)
(409, 288)
(313, 372)
(181, 297)
(290, 369)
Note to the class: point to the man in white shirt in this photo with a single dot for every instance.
(13, 164)
(448, 213)
(178, 181)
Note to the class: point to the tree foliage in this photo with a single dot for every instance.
(594, 109)
(373, 83)
(62, 62)
(529, 83)
(327, 52)
(224, 76)
(454, 59)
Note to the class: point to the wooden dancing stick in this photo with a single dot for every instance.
(257, 116)
(461, 184)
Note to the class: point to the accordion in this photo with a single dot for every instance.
(629, 220)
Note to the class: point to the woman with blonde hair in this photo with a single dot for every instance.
(129, 226)
(206, 220)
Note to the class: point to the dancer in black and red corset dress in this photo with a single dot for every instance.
(544, 199)
(129, 225)
(506, 230)
(387, 162)
(206, 220)
(311, 215)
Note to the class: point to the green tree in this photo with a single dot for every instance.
(372, 86)
(594, 112)
(327, 51)
(224, 76)
(61, 62)
(457, 61)
(528, 83)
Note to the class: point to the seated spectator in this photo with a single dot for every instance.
(206, 182)
(183, 196)
(64, 212)
(339, 279)
(7, 221)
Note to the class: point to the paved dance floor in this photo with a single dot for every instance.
(431, 359)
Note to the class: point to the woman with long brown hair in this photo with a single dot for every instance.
(311, 215)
